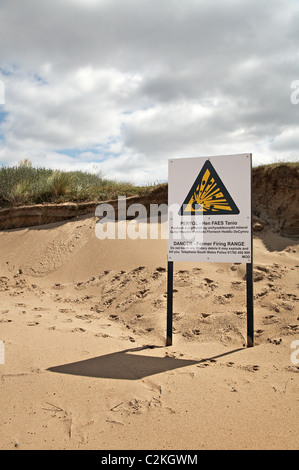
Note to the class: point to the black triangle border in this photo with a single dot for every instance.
(208, 166)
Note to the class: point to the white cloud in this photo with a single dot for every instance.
(78, 111)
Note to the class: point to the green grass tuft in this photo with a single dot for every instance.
(25, 185)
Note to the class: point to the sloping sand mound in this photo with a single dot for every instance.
(86, 367)
(276, 196)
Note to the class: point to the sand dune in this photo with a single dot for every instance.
(86, 367)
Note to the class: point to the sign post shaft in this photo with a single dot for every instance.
(250, 313)
(169, 303)
(249, 282)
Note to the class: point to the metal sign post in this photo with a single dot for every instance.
(210, 220)
(169, 303)
(250, 313)
(249, 286)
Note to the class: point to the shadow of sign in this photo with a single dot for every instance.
(128, 365)
(123, 365)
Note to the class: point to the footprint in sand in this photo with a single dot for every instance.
(249, 368)
(114, 317)
(223, 299)
(238, 285)
(206, 315)
(277, 342)
(239, 313)
(143, 293)
(108, 302)
(270, 319)
(58, 287)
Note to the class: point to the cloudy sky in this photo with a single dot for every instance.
(121, 86)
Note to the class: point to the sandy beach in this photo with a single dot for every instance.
(83, 324)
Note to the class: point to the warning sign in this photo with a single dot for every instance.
(208, 195)
(210, 218)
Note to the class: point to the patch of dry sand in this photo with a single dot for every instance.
(86, 367)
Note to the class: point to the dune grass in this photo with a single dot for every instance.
(24, 185)
(281, 163)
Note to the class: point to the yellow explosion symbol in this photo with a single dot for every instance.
(207, 197)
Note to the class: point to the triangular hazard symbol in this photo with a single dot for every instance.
(208, 195)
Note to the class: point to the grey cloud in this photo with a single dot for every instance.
(138, 34)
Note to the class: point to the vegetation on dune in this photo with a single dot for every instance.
(26, 185)
(272, 166)
(23, 185)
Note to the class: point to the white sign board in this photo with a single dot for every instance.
(209, 207)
